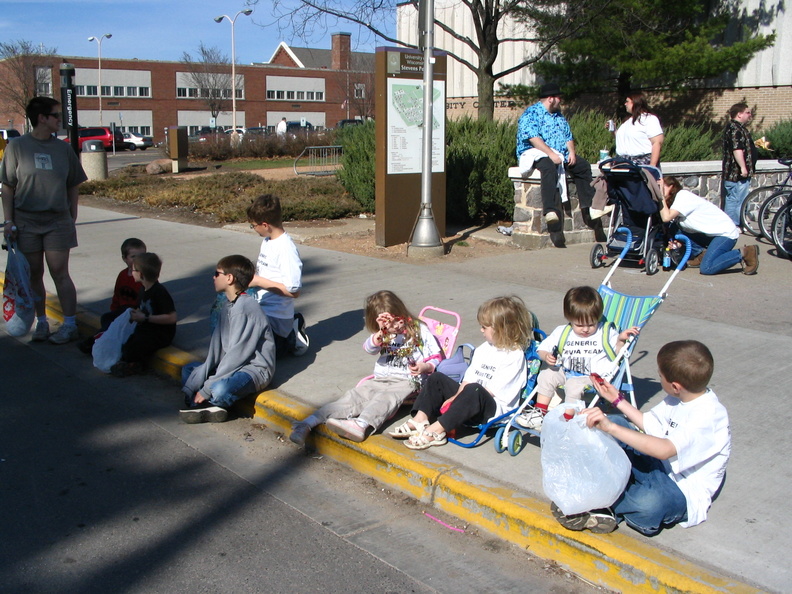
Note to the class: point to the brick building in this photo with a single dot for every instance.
(320, 86)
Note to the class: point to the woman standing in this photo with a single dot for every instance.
(712, 233)
(40, 175)
(640, 138)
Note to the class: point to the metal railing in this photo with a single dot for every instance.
(318, 160)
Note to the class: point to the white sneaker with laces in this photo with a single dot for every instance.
(64, 334)
(530, 419)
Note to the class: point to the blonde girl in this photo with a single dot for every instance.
(406, 351)
(491, 385)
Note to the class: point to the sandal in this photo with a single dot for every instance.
(408, 429)
(422, 441)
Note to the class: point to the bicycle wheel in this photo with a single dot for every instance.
(768, 211)
(782, 231)
(749, 212)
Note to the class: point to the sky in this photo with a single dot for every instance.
(157, 29)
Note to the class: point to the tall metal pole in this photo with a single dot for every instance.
(425, 236)
(99, 40)
(219, 19)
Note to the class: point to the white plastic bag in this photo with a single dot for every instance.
(107, 348)
(582, 468)
(18, 311)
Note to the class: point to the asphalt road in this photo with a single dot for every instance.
(104, 490)
(124, 158)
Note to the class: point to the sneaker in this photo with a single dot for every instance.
(600, 521)
(301, 340)
(347, 428)
(124, 369)
(206, 414)
(551, 217)
(530, 419)
(695, 261)
(503, 230)
(64, 334)
(41, 333)
(299, 433)
(750, 258)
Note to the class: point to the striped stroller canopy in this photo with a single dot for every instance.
(626, 311)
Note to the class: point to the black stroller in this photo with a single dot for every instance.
(635, 206)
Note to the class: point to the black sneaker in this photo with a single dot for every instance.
(601, 521)
(206, 414)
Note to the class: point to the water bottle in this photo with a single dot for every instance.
(667, 258)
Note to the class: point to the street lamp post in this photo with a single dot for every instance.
(219, 19)
(98, 40)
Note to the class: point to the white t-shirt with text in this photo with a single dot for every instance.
(502, 372)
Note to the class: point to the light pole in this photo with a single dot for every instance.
(219, 19)
(98, 40)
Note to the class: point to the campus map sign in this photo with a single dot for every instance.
(405, 126)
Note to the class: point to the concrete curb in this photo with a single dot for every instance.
(617, 561)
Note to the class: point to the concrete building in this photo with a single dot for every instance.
(319, 86)
(766, 81)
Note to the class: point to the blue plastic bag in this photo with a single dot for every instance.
(18, 299)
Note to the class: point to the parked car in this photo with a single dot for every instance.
(240, 131)
(344, 123)
(137, 141)
(257, 131)
(8, 133)
(104, 134)
(294, 128)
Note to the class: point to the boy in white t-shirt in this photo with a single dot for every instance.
(678, 456)
(572, 352)
(278, 277)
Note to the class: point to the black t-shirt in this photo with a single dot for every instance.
(157, 301)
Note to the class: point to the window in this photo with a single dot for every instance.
(192, 92)
(226, 93)
(270, 94)
(43, 89)
(239, 94)
(105, 91)
(280, 94)
(145, 130)
(309, 95)
(118, 91)
(300, 95)
(91, 90)
(320, 95)
(131, 91)
(181, 92)
(360, 91)
(290, 95)
(80, 90)
(204, 93)
(133, 129)
(143, 91)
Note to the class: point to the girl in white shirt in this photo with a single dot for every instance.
(640, 138)
(491, 385)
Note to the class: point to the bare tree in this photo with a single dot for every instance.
(210, 74)
(26, 72)
(305, 17)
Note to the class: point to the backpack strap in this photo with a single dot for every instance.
(563, 338)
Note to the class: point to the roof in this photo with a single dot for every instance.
(311, 58)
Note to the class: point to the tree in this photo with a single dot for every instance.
(657, 44)
(489, 17)
(210, 73)
(27, 72)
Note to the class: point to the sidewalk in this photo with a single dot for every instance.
(743, 545)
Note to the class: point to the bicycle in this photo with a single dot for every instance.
(768, 211)
(782, 231)
(749, 211)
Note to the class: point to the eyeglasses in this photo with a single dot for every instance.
(254, 225)
(56, 115)
(218, 273)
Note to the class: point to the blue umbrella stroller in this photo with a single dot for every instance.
(634, 193)
(623, 311)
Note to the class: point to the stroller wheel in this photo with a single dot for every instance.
(499, 447)
(652, 262)
(597, 256)
(515, 443)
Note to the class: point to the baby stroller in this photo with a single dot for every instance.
(623, 311)
(634, 193)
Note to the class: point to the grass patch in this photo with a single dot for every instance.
(226, 197)
(252, 164)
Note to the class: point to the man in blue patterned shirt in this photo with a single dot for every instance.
(542, 127)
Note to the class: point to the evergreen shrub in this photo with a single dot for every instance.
(357, 171)
(691, 142)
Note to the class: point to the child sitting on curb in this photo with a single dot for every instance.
(678, 455)
(241, 357)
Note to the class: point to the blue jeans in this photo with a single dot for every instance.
(735, 195)
(227, 390)
(651, 500)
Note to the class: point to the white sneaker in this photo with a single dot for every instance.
(64, 334)
(301, 342)
(347, 428)
(551, 217)
(530, 419)
(41, 333)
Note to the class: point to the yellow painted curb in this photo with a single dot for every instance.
(616, 561)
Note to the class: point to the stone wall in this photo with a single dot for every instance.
(529, 230)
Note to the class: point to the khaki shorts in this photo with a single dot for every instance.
(45, 231)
